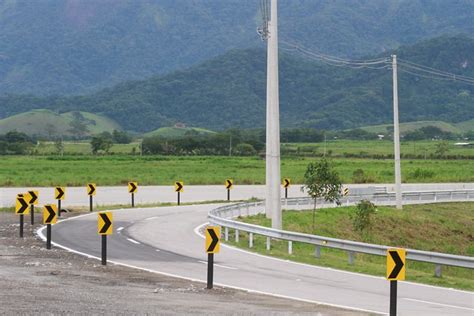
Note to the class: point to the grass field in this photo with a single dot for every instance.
(341, 148)
(336, 148)
(84, 148)
(447, 227)
(164, 170)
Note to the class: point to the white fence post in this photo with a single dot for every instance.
(351, 257)
(290, 247)
(317, 252)
(250, 240)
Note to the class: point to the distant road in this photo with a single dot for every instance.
(112, 195)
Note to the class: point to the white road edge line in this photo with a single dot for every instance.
(197, 229)
(219, 265)
(151, 218)
(40, 234)
(440, 304)
(133, 241)
(120, 228)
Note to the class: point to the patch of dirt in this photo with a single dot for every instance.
(35, 280)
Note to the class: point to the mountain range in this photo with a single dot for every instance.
(78, 47)
(229, 91)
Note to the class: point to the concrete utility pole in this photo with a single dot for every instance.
(396, 136)
(272, 201)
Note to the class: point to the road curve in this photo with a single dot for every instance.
(165, 240)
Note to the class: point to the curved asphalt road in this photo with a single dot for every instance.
(165, 240)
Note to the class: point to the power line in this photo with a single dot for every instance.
(378, 63)
(336, 61)
(433, 69)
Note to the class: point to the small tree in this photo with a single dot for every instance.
(78, 129)
(322, 181)
(442, 148)
(361, 220)
(101, 142)
(59, 145)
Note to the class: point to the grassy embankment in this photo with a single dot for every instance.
(336, 148)
(447, 227)
(164, 170)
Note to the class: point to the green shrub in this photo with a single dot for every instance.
(361, 219)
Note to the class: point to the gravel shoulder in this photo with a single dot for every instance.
(35, 280)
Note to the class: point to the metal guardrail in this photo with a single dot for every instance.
(224, 215)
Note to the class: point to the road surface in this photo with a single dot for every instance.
(166, 240)
(118, 195)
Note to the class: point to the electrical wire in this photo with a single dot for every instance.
(412, 64)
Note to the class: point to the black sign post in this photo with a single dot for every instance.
(49, 218)
(22, 219)
(20, 208)
(32, 212)
(212, 247)
(48, 236)
(104, 227)
(210, 270)
(286, 184)
(393, 298)
(104, 250)
(395, 272)
(178, 187)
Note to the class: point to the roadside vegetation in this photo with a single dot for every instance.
(164, 170)
(446, 227)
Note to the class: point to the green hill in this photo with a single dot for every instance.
(177, 132)
(45, 123)
(466, 126)
(229, 91)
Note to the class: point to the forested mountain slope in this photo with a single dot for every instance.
(73, 47)
(229, 91)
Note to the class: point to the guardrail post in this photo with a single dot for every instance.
(290, 247)
(268, 243)
(436, 197)
(451, 195)
(226, 233)
(236, 235)
(438, 271)
(317, 252)
(351, 257)
(250, 240)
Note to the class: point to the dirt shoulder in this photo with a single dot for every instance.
(35, 280)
